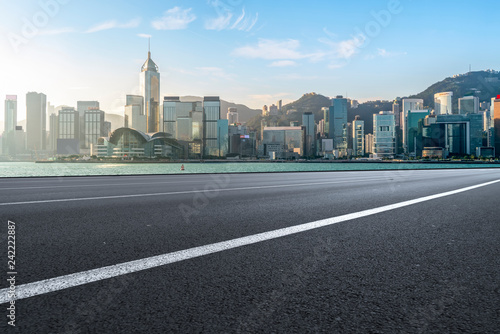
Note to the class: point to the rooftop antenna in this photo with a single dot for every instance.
(149, 47)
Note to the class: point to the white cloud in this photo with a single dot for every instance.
(114, 25)
(223, 21)
(144, 35)
(56, 31)
(345, 49)
(174, 19)
(274, 50)
(283, 63)
(383, 53)
(219, 23)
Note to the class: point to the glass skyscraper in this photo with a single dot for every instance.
(150, 89)
(211, 114)
(339, 113)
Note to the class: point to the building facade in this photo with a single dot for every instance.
(468, 105)
(150, 90)
(384, 139)
(358, 137)
(36, 113)
(443, 103)
(211, 115)
(310, 133)
(10, 123)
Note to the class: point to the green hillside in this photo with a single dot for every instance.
(483, 84)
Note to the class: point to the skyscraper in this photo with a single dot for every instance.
(308, 123)
(468, 105)
(383, 134)
(408, 104)
(443, 103)
(358, 137)
(339, 108)
(36, 107)
(93, 127)
(211, 114)
(10, 123)
(496, 110)
(150, 90)
(134, 113)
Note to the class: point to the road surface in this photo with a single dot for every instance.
(342, 252)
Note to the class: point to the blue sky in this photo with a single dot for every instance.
(251, 52)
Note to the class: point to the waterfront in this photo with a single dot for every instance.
(31, 169)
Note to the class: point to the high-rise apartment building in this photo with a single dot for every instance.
(36, 111)
(10, 123)
(358, 137)
(150, 90)
(232, 116)
(443, 103)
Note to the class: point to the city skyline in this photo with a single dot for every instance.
(240, 51)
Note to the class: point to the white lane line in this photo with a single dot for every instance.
(189, 192)
(140, 184)
(94, 275)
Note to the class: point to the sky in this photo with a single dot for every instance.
(250, 52)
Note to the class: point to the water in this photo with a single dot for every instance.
(29, 169)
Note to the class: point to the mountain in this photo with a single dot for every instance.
(244, 113)
(483, 84)
(312, 102)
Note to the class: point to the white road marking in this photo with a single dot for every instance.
(190, 192)
(95, 275)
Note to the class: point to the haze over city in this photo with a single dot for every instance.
(250, 52)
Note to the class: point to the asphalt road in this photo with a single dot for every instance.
(428, 267)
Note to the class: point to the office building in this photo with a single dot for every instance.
(358, 137)
(412, 121)
(232, 116)
(36, 111)
(10, 123)
(150, 90)
(443, 103)
(93, 127)
(68, 139)
(53, 132)
(369, 143)
(496, 125)
(339, 105)
(384, 141)
(457, 135)
(83, 106)
(407, 105)
(135, 117)
(211, 114)
(310, 133)
(222, 138)
(283, 142)
(468, 105)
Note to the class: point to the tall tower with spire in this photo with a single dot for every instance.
(150, 89)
